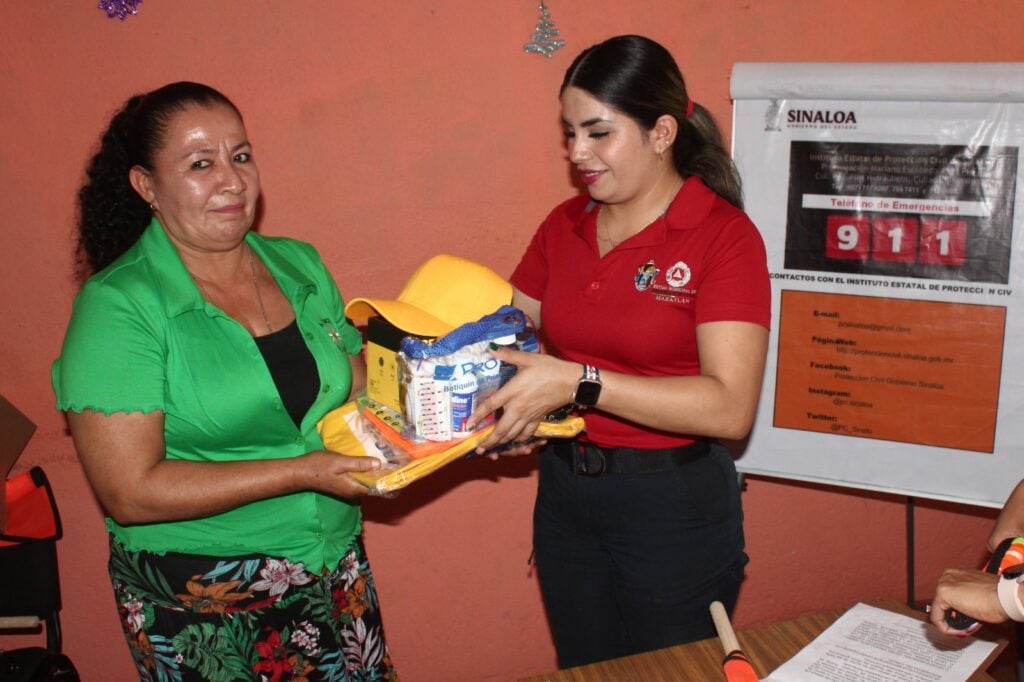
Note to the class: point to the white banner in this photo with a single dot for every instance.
(889, 197)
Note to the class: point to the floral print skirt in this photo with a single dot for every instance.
(190, 617)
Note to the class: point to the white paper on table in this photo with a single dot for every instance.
(868, 644)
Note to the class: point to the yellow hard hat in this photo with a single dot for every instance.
(445, 292)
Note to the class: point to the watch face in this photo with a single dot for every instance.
(587, 393)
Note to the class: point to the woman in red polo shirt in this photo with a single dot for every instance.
(652, 295)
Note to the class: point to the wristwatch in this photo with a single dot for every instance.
(1009, 599)
(588, 388)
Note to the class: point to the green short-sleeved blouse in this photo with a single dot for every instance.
(142, 338)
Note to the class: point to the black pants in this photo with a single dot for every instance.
(631, 562)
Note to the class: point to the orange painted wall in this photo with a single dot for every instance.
(388, 131)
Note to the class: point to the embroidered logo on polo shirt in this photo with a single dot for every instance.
(645, 275)
(678, 275)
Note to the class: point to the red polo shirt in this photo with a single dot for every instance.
(636, 310)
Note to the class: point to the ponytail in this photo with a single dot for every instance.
(111, 214)
(699, 151)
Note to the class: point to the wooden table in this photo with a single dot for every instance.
(767, 647)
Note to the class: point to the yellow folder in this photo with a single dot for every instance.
(344, 431)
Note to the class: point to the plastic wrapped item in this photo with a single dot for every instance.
(442, 380)
(369, 437)
(392, 427)
(347, 430)
(439, 393)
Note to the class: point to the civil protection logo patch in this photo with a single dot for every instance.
(678, 275)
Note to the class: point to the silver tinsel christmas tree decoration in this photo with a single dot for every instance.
(545, 36)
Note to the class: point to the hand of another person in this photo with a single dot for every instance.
(967, 591)
(329, 472)
(542, 383)
(1010, 523)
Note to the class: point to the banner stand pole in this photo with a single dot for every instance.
(910, 552)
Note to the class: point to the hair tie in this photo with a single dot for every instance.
(689, 107)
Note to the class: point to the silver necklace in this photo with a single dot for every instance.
(612, 242)
(255, 285)
(609, 240)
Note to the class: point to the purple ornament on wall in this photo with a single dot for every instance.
(119, 8)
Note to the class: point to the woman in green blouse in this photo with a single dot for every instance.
(198, 360)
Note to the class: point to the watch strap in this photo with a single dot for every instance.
(1009, 598)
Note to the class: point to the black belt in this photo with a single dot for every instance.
(587, 459)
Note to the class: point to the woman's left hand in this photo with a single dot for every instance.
(542, 384)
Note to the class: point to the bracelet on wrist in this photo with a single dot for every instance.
(1008, 593)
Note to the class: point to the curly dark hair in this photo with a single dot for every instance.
(639, 77)
(112, 215)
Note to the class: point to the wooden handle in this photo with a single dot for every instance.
(724, 628)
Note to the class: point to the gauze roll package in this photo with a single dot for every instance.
(441, 381)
